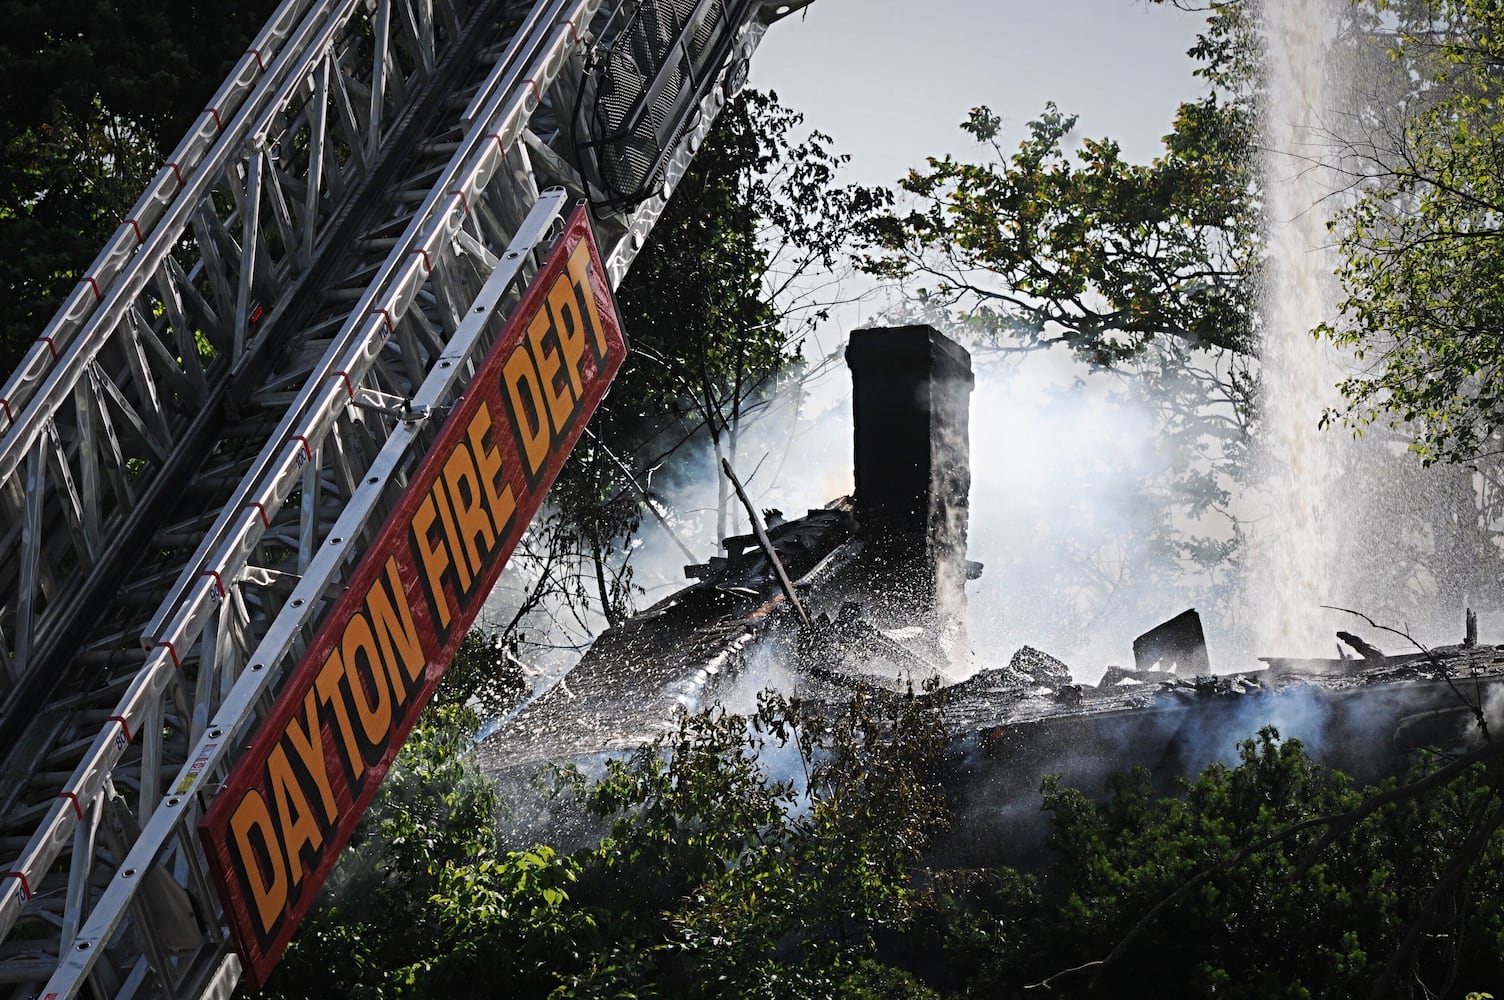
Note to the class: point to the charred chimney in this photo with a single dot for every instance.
(912, 394)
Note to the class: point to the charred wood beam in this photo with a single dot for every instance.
(753, 516)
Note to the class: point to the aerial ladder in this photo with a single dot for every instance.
(198, 448)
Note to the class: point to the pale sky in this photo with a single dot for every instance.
(891, 80)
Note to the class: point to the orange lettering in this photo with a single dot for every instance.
(434, 556)
(474, 524)
(306, 740)
(569, 327)
(328, 687)
(393, 622)
(499, 496)
(293, 808)
(550, 364)
(268, 888)
(528, 421)
(462, 568)
(580, 266)
(368, 682)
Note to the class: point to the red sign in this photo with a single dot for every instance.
(274, 832)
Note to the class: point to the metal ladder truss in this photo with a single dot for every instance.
(201, 444)
(660, 62)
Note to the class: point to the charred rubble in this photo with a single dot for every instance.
(880, 578)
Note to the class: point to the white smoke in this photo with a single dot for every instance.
(793, 454)
(1060, 468)
(1065, 470)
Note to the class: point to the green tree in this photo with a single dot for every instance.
(1421, 261)
(1418, 139)
(717, 878)
(1271, 878)
(1046, 247)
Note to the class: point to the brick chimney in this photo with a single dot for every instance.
(912, 397)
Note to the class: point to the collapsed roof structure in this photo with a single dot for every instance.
(869, 590)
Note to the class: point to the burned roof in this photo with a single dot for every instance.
(636, 677)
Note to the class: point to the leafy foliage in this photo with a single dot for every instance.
(1421, 264)
(1232, 936)
(1084, 249)
(1142, 899)
(714, 877)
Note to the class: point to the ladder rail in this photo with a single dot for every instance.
(203, 144)
(549, 13)
(89, 778)
(123, 425)
(309, 417)
(373, 320)
(278, 471)
(147, 257)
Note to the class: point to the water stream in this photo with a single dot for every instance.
(1294, 548)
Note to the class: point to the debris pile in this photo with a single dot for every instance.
(863, 593)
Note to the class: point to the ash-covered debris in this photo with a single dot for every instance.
(798, 543)
(880, 579)
(1366, 716)
(635, 679)
(976, 701)
(849, 650)
(1034, 667)
(1029, 672)
(1116, 675)
(1178, 645)
(1361, 646)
